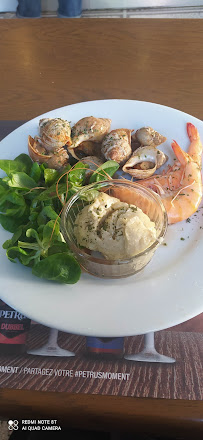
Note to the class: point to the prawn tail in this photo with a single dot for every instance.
(180, 154)
(192, 132)
(195, 148)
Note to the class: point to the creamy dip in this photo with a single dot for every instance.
(114, 228)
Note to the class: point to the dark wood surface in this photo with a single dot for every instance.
(181, 419)
(49, 63)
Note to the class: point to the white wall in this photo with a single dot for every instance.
(8, 5)
(51, 5)
(105, 4)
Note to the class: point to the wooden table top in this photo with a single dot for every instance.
(49, 63)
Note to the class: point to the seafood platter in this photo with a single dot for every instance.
(100, 199)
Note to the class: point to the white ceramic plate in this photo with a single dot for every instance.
(167, 292)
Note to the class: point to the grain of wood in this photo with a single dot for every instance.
(47, 64)
(181, 380)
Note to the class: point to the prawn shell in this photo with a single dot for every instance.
(142, 155)
(180, 186)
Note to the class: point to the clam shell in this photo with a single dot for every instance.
(146, 160)
(37, 152)
(86, 148)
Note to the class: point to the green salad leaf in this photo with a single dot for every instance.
(31, 201)
(20, 180)
(21, 163)
(35, 172)
(50, 176)
(106, 169)
(60, 267)
(11, 223)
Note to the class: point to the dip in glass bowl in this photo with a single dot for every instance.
(114, 227)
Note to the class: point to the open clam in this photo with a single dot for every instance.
(38, 153)
(54, 133)
(144, 162)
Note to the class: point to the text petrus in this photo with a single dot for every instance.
(12, 314)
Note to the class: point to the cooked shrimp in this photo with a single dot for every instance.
(180, 187)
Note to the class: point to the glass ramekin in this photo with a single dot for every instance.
(126, 191)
